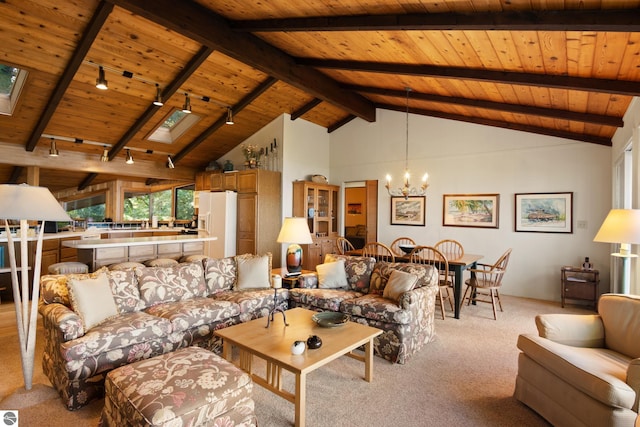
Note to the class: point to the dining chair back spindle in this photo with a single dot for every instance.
(395, 245)
(485, 282)
(379, 251)
(343, 245)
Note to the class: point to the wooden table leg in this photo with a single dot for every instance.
(226, 350)
(368, 361)
(301, 398)
(457, 290)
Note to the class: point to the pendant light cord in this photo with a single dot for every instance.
(406, 147)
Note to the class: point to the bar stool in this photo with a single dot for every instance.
(68, 268)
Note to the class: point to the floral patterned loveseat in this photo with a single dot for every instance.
(407, 323)
(158, 310)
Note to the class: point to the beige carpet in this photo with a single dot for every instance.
(464, 378)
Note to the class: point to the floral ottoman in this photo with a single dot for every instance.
(188, 387)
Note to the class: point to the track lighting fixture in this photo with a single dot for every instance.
(170, 164)
(158, 101)
(53, 151)
(105, 155)
(129, 160)
(101, 82)
(229, 116)
(186, 108)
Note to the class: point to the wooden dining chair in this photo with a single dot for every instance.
(431, 255)
(395, 246)
(379, 251)
(485, 282)
(343, 245)
(452, 249)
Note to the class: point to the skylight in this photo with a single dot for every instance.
(173, 127)
(12, 80)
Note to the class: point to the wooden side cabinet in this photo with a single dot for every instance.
(580, 285)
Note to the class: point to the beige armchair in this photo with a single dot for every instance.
(584, 369)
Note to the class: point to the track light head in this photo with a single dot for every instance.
(53, 151)
(101, 82)
(105, 155)
(129, 160)
(186, 108)
(158, 101)
(170, 164)
(229, 116)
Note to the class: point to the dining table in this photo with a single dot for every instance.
(457, 264)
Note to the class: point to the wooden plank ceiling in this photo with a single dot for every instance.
(567, 68)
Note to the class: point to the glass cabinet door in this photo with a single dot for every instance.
(311, 211)
(334, 211)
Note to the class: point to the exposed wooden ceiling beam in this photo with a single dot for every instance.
(98, 19)
(15, 174)
(500, 106)
(244, 102)
(337, 125)
(305, 108)
(506, 125)
(626, 20)
(622, 87)
(202, 25)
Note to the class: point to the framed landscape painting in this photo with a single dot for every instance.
(409, 211)
(470, 210)
(544, 212)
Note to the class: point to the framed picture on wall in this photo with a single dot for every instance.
(470, 210)
(409, 211)
(544, 212)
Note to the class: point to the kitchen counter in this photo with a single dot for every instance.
(93, 232)
(134, 241)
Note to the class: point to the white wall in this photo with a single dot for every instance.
(463, 158)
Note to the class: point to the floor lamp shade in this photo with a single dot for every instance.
(27, 203)
(296, 232)
(621, 226)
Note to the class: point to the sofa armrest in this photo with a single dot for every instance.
(417, 298)
(64, 321)
(577, 330)
(308, 280)
(633, 379)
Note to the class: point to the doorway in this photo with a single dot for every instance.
(361, 212)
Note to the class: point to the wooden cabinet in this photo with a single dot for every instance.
(68, 254)
(223, 181)
(203, 181)
(318, 203)
(259, 215)
(579, 285)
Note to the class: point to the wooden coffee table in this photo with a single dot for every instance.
(273, 344)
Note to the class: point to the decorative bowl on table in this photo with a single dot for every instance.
(407, 248)
(329, 319)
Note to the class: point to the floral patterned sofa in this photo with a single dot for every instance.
(407, 323)
(155, 310)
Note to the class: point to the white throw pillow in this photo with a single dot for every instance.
(254, 271)
(92, 299)
(332, 275)
(399, 282)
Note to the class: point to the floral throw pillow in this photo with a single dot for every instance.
(220, 274)
(158, 285)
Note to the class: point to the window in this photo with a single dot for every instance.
(91, 208)
(140, 206)
(12, 80)
(173, 127)
(184, 202)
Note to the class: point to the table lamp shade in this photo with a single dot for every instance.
(294, 231)
(620, 226)
(30, 203)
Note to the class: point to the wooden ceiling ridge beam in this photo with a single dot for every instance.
(306, 108)
(210, 29)
(593, 139)
(241, 105)
(620, 87)
(337, 125)
(614, 20)
(93, 28)
(499, 106)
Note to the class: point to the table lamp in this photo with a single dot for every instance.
(294, 231)
(27, 203)
(621, 226)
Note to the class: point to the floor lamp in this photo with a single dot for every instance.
(294, 231)
(622, 226)
(27, 203)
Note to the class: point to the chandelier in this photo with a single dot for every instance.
(407, 190)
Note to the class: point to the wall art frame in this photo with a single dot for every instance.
(408, 211)
(471, 210)
(544, 212)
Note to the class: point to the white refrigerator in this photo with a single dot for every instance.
(217, 218)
